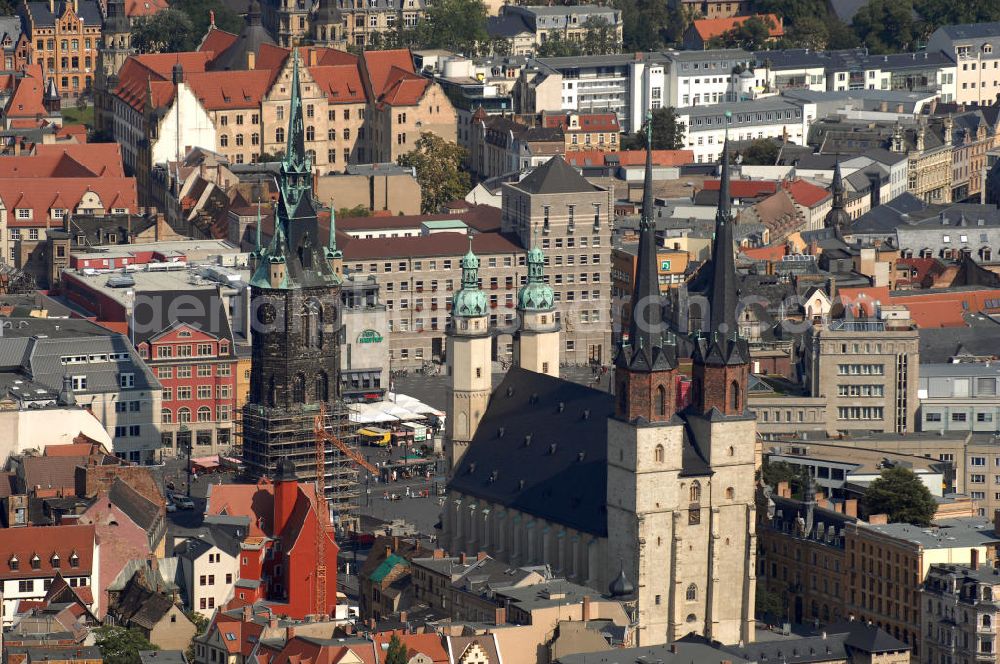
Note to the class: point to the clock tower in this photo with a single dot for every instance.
(296, 317)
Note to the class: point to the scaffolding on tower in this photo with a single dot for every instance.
(322, 438)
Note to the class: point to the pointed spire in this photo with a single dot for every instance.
(722, 295)
(259, 247)
(470, 300)
(837, 218)
(838, 186)
(645, 331)
(333, 228)
(295, 148)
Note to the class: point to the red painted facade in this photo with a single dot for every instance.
(280, 549)
(198, 373)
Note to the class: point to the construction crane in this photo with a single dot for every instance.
(322, 509)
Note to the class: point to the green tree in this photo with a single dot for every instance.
(668, 132)
(201, 11)
(600, 37)
(762, 152)
(458, 25)
(356, 211)
(168, 31)
(901, 495)
(887, 26)
(396, 654)
(751, 35)
(438, 164)
(775, 472)
(557, 47)
(809, 32)
(647, 25)
(767, 603)
(200, 623)
(121, 646)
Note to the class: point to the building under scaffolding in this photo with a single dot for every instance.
(273, 434)
(296, 328)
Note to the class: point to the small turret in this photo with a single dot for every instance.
(51, 101)
(334, 255)
(536, 342)
(66, 395)
(469, 301)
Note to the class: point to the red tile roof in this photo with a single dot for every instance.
(251, 500)
(239, 637)
(222, 90)
(66, 160)
(152, 72)
(425, 644)
(772, 252)
(863, 300)
(403, 88)
(922, 271)
(379, 64)
(216, 41)
(43, 194)
(805, 193)
(28, 93)
(298, 650)
(44, 541)
(745, 188)
(136, 8)
(587, 122)
(709, 28)
(341, 83)
(944, 308)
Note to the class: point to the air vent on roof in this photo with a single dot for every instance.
(552, 448)
(527, 440)
(510, 391)
(520, 485)
(586, 413)
(561, 407)
(494, 475)
(581, 455)
(500, 432)
(533, 398)
(472, 467)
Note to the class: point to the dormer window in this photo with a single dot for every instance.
(14, 563)
(55, 561)
(36, 562)
(74, 560)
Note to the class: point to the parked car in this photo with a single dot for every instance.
(171, 507)
(183, 502)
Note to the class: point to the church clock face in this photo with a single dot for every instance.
(266, 314)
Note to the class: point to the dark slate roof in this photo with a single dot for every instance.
(566, 483)
(507, 25)
(971, 30)
(143, 512)
(89, 11)
(981, 338)
(223, 537)
(886, 217)
(250, 39)
(201, 308)
(555, 177)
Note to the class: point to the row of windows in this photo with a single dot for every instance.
(204, 414)
(860, 369)
(64, 44)
(860, 413)
(185, 350)
(128, 431)
(202, 370)
(36, 562)
(959, 417)
(203, 392)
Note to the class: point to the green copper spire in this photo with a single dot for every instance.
(295, 148)
(469, 301)
(259, 247)
(535, 295)
(331, 246)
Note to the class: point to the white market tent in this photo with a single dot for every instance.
(396, 408)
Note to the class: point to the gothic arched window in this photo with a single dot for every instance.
(322, 386)
(692, 593)
(734, 395)
(658, 454)
(299, 389)
(312, 324)
(694, 492)
(661, 401)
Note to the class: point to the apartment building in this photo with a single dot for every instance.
(91, 367)
(959, 397)
(64, 36)
(976, 51)
(33, 557)
(573, 219)
(359, 23)
(528, 27)
(960, 620)
(774, 117)
(888, 564)
(868, 372)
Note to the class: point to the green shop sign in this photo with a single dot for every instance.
(369, 337)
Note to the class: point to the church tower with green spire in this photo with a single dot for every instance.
(536, 342)
(469, 362)
(296, 318)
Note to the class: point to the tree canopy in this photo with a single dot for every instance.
(668, 132)
(458, 25)
(751, 35)
(200, 12)
(121, 646)
(901, 495)
(168, 31)
(396, 653)
(600, 39)
(438, 164)
(762, 152)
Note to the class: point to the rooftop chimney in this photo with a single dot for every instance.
(974, 563)
(586, 608)
(500, 615)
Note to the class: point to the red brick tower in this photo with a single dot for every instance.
(721, 358)
(646, 364)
